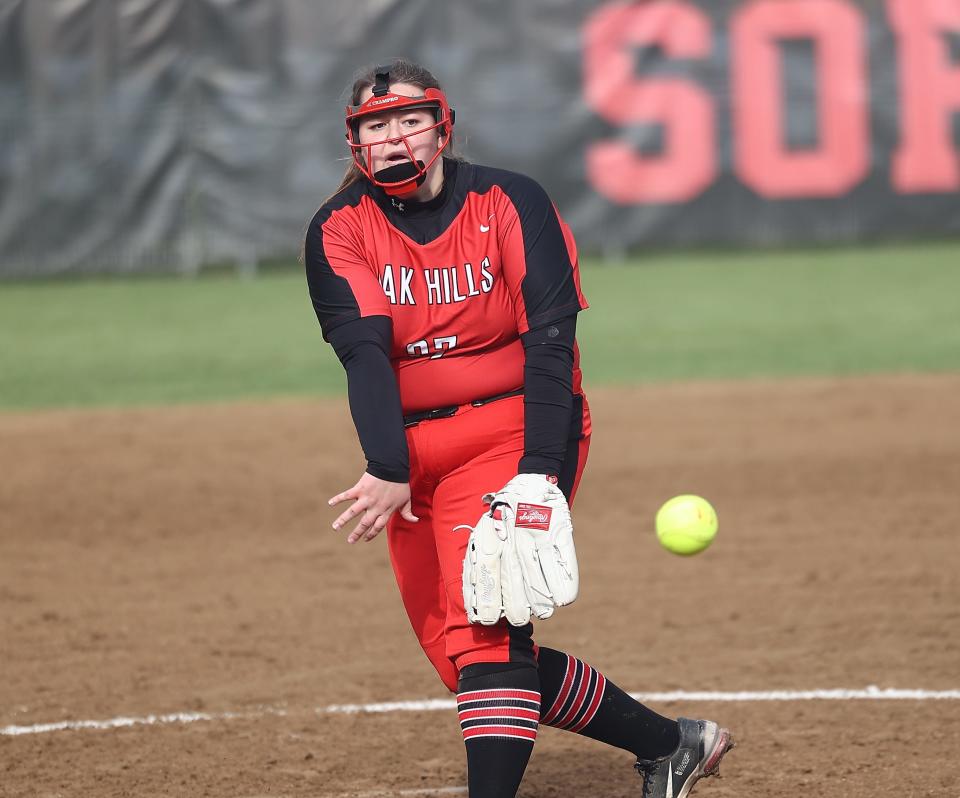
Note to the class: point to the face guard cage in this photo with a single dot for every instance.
(383, 99)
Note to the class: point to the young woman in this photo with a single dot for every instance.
(450, 293)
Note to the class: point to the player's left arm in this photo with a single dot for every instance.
(547, 396)
(539, 260)
(520, 559)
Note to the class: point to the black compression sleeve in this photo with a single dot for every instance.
(362, 346)
(547, 396)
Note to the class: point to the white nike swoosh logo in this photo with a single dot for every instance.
(484, 228)
(669, 784)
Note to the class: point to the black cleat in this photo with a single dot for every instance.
(702, 745)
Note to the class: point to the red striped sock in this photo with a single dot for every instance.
(578, 700)
(499, 706)
(499, 712)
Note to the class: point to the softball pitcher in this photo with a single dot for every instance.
(450, 293)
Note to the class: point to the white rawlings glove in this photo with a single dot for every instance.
(520, 558)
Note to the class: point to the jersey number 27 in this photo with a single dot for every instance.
(441, 345)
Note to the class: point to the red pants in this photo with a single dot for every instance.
(453, 462)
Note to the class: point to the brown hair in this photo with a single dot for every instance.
(401, 70)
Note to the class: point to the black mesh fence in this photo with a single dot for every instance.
(145, 135)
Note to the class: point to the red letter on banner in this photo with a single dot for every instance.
(762, 161)
(929, 92)
(688, 164)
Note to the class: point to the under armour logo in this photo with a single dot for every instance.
(396, 204)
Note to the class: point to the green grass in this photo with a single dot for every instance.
(661, 317)
(810, 312)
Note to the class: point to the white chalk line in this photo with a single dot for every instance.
(145, 720)
(870, 693)
(420, 791)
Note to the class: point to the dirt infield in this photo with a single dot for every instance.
(181, 560)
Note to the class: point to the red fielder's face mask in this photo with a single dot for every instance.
(403, 178)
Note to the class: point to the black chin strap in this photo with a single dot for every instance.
(400, 172)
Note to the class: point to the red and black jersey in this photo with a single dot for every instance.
(461, 278)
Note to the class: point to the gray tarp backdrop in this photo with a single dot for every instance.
(154, 135)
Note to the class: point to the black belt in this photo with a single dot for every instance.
(445, 412)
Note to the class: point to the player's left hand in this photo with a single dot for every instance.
(374, 500)
(520, 559)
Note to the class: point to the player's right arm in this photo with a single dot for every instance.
(355, 319)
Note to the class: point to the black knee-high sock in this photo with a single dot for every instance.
(578, 698)
(499, 707)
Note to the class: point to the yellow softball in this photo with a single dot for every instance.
(686, 524)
